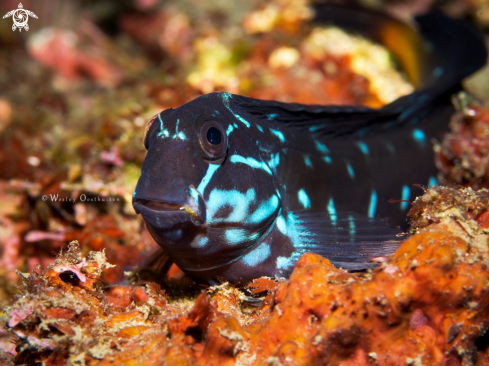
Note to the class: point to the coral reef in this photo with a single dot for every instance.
(428, 304)
(463, 155)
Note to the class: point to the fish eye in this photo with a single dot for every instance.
(214, 136)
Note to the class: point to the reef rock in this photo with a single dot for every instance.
(427, 305)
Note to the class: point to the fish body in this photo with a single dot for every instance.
(235, 188)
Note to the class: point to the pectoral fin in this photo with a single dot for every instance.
(348, 240)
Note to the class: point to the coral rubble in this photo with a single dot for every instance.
(427, 305)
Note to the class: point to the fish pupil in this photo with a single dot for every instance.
(214, 136)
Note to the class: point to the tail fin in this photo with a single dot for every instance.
(438, 57)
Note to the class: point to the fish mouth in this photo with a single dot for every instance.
(150, 209)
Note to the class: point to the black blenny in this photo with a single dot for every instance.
(236, 188)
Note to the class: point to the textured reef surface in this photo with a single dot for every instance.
(75, 92)
(427, 305)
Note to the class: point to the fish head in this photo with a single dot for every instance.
(205, 193)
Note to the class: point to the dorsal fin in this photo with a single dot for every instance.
(449, 51)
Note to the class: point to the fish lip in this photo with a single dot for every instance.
(166, 209)
(153, 205)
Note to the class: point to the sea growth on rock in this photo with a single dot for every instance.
(427, 305)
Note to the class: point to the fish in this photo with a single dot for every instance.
(234, 188)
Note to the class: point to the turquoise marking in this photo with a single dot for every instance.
(405, 196)
(163, 131)
(264, 211)
(134, 193)
(217, 111)
(363, 147)
(230, 129)
(353, 228)
(301, 238)
(257, 255)
(241, 119)
(235, 125)
(432, 181)
(283, 262)
(181, 135)
(199, 242)
(259, 128)
(274, 161)
(225, 98)
(316, 127)
(327, 159)
(351, 172)
(304, 198)
(373, 204)
(332, 211)
(236, 236)
(255, 164)
(321, 147)
(271, 116)
(240, 203)
(194, 194)
(419, 135)
(307, 161)
(207, 177)
(278, 193)
(282, 225)
(277, 133)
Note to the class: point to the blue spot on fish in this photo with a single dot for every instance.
(271, 116)
(283, 262)
(163, 131)
(304, 198)
(195, 194)
(307, 161)
(321, 147)
(332, 211)
(282, 225)
(180, 135)
(327, 159)
(260, 128)
(432, 181)
(353, 228)
(200, 241)
(236, 236)
(265, 210)
(257, 255)
(373, 204)
(405, 197)
(351, 172)
(225, 98)
(274, 161)
(419, 135)
(253, 163)
(207, 177)
(240, 202)
(277, 133)
(230, 129)
(362, 146)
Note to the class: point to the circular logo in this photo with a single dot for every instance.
(20, 18)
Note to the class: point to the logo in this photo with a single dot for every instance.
(20, 17)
